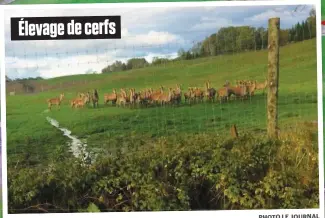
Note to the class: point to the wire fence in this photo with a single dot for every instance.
(195, 112)
(184, 91)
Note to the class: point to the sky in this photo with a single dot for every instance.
(146, 32)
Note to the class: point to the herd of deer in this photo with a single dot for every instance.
(243, 89)
(78, 102)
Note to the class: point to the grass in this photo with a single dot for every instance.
(29, 132)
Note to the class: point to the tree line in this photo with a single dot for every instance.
(23, 79)
(227, 40)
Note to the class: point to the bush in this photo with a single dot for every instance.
(187, 172)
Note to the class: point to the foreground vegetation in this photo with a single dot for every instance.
(180, 172)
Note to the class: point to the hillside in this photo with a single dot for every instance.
(218, 69)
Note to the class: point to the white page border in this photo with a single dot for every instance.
(221, 213)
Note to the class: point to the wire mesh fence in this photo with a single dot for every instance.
(217, 62)
(200, 87)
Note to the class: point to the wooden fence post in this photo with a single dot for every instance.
(273, 77)
(233, 131)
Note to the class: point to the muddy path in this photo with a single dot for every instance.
(77, 147)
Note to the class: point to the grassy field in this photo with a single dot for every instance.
(29, 132)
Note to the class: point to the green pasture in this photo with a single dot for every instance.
(30, 133)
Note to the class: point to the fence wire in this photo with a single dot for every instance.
(103, 130)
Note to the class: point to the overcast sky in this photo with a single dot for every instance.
(146, 32)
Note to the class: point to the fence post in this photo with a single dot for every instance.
(273, 77)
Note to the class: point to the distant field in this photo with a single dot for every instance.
(29, 132)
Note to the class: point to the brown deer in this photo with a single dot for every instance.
(143, 97)
(240, 91)
(261, 86)
(110, 97)
(166, 98)
(223, 94)
(74, 101)
(187, 95)
(251, 88)
(209, 92)
(95, 98)
(121, 98)
(55, 101)
(87, 98)
(154, 97)
(132, 97)
(177, 97)
(78, 102)
(198, 94)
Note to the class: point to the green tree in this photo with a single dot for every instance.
(135, 63)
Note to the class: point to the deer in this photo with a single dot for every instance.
(154, 97)
(177, 97)
(121, 98)
(143, 96)
(140, 97)
(132, 97)
(240, 91)
(223, 94)
(251, 88)
(165, 98)
(55, 101)
(78, 102)
(187, 95)
(95, 98)
(74, 101)
(110, 97)
(209, 92)
(261, 86)
(199, 95)
(87, 98)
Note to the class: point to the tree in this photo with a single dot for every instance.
(311, 21)
(284, 37)
(135, 63)
(196, 50)
(312, 12)
(181, 53)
